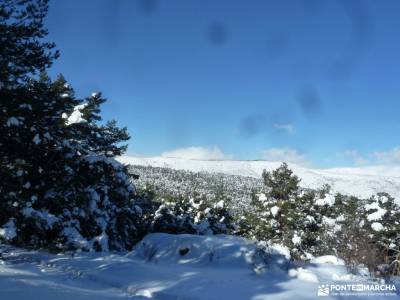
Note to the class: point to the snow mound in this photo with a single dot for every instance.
(377, 226)
(221, 250)
(303, 275)
(108, 276)
(8, 231)
(328, 259)
(76, 116)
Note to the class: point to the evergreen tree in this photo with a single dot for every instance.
(288, 215)
(282, 182)
(23, 52)
(59, 185)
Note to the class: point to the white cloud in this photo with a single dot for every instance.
(202, 153)
(388, 157)
(285, 155)
(358, 159)
(285, 127)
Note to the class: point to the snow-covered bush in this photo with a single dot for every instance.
(368, 232)
(294, 223)
(308, 222)
(286, 214)
(171, 183)
(193, 215)
(173, 217)
(315, 222)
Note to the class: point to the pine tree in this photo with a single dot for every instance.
(282, 182)
(59, 185)
(22, 51)
(287, 215)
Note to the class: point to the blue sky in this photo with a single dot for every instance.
(314, 82)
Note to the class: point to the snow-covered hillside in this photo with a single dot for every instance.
(362, 181)
(171, 267)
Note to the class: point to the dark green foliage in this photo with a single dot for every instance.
(59, 186)
(111, 135)
(285, 214)
(22, 51)
(282, 182)
(173, 216)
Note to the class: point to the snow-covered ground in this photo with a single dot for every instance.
(361, 181)
(169, 267)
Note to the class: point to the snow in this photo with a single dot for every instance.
(303, 275)
(310, 219)
(159, 270)
(262, 197)
(220, 204)
(76, 116)
(376, 226)
(26, 106)
(296, 239)
(36, 139)
(329, 200)
(363, 181)
(27, 185)
(8, 231)
(282, 250)
(13, 121)
(43, 214)
(328, 259)
(222, 250)
(378, 214)
(92, 159)
(333, 223)
(274, 210)
(102, 239)
(75, 238)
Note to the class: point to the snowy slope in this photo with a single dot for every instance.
(362, 181)
(214, 268)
